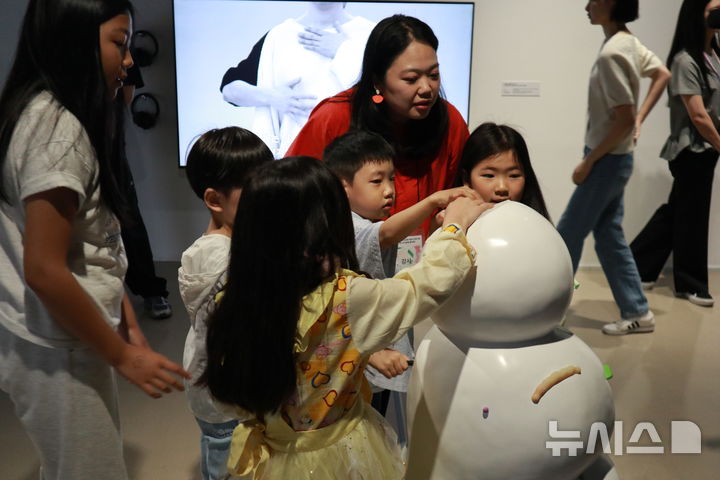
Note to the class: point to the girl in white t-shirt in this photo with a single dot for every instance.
(65, 320)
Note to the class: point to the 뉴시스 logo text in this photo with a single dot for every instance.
(685, 437)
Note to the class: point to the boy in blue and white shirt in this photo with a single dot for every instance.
(364, 163)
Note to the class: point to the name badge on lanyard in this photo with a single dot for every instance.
(409, 251)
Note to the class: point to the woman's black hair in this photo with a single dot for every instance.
(222, 159)
(292, 231)
(390, 37)
(347, 154)
(625, 11)
(490, 139)
(690, 33)
(59, 52)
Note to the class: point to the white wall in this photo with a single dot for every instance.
(550, 41)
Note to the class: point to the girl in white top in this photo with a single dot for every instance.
(64, 318)
(613, 127)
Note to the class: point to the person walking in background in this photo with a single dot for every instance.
(681, 225)
(613, 127)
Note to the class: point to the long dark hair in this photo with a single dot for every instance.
(390, 37)
(292, 231)
(490, 139)
(59, 52)
(690, 33)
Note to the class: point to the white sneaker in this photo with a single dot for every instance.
(647, 286)
(703, 301)
(641, 324)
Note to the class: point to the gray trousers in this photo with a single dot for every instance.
(66, 400)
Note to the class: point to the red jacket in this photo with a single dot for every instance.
(331, 118)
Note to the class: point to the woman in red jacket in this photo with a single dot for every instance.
(397, 97)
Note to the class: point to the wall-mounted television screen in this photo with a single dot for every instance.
(263, 65)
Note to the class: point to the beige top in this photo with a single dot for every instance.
(615, 81)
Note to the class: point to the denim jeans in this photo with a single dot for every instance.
(215, 448)
(597, 205)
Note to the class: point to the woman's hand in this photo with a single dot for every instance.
(283, 97)
(286, 100)
(582, 171)
(636, 131)
(389, 362)
(323, 42)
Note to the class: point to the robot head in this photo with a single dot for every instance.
(522, 283)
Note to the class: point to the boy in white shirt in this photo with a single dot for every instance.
(218, 165)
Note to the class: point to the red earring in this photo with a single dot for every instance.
(377, 98)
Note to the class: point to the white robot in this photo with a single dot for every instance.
(499, 390)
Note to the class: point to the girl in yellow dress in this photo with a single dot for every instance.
(290, 339)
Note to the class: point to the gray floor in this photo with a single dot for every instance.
(668, 375)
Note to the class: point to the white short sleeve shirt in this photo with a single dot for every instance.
(615, 81)
(50, 149)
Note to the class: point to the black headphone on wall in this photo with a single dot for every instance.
(143, 47)
(145, 110)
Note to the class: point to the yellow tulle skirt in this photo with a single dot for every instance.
(368, 452)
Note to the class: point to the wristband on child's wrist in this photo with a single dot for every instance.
(452, 228)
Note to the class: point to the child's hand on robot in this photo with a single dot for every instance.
(389, 362)
(442, 198)
(463, 211)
